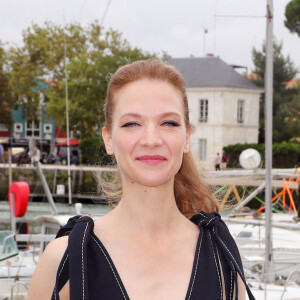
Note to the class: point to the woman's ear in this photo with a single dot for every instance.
(107, 141)
(186, 148)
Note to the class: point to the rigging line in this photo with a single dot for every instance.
(214, 41)
(81, 9)
(105, 12)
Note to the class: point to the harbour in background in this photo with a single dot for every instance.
(41, 208)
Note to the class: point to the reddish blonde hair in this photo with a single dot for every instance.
(192, 194)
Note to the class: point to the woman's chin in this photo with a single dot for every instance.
(151, 181)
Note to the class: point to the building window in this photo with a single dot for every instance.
(47, 128)
(18, 127)
(33, 128)
(203, 110)
(202, 149)
(240, 111)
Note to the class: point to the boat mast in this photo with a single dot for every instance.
(268, 267)
(67, 120)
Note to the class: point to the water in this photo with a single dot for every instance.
(35, 209)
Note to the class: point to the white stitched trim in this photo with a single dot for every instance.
(110, 266)
(231, 264)
(210, 220)
(231, 297)
(216, 266)
(63, 265)
(82, 262)
(202, 215)
(201, 222)
(232, 258)
(196, 266)
(234, 282)
(60, 273)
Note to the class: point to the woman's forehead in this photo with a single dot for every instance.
(147, 96)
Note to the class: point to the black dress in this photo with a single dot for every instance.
(93, 275)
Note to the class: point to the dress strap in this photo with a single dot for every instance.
(73, 265)
(226, 255)
(62, 275)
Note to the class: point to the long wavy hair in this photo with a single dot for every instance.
(192, 194)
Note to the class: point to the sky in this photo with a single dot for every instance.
(176, 27)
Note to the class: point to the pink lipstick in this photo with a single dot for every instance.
(151, 159)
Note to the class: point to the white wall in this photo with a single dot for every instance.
(222, 127)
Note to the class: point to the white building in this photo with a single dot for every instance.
(224, 106)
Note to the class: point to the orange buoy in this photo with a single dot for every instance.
(21, 194)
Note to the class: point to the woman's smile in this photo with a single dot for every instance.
(151, 159)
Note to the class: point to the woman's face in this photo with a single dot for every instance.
(148, 135)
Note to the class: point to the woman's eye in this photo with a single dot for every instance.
(130, 124)
(171, 123)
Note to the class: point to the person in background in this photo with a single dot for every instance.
(2, 159)
(225, 160)
(36, 155)
(24, 157)
(74, 156)
(218, 162)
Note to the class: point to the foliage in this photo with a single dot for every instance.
(291, 115)
(91, 54)
(93, 151)
(292, 14)
(285, 155)
(283, 71)
(62, 176)
(6, 100)
(49, 176)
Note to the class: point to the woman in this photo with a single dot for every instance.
(146, 248)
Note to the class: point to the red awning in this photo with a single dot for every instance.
(73, 142)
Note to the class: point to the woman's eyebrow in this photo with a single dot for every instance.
(164, 115)
(135, 115)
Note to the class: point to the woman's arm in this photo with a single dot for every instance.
(43, 280)
(241, 285)
(241, 289)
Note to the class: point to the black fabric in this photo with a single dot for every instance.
(219, 247)
(92, 274)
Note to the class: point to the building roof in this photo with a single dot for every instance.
(292, 83)
(210, 72)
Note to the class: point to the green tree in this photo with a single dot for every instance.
(24, 76)
(292, 14)
(92, 53)
(291, 111)
(283, 71)
(6, 99)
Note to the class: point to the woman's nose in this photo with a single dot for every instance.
(151, 136)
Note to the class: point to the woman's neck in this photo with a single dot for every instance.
(148, 210)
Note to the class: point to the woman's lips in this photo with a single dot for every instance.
(151, 159)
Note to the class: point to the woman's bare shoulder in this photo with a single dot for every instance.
(44, 276)
(58, 246)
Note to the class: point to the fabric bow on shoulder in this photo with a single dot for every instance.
(218, 259)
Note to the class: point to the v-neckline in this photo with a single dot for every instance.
(120, 282)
